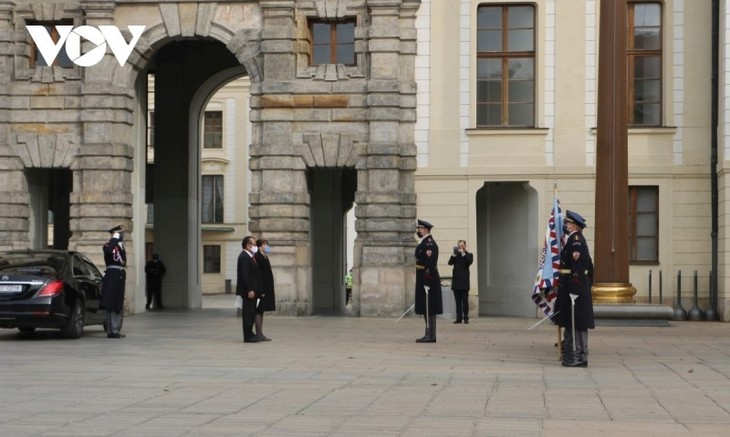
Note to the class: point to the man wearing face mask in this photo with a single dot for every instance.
(576, 279)
(267, 301)
(112, 286)
(428, 282)
(248, 286)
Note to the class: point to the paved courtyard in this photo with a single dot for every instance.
(187, 373)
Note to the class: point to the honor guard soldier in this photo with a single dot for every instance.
(112, 286)
(428, 282)
(575, 302)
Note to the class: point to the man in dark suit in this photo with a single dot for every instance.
(428, 302)
(248, 286)
(576, 279)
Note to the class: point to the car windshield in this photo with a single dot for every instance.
(30, 264)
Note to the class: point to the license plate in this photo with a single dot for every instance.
(13, 288)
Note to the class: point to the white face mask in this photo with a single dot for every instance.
(254, 249)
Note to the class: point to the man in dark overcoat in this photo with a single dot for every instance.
(428, 301)
(154, 271)
(248, 286)
(112, 286)
(576, 280)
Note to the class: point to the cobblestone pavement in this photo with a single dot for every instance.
(187, 373)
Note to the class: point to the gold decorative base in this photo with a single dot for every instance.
(613, 292)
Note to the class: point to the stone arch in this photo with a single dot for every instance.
(177, 22)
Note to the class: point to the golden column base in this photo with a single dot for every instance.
(613, 292)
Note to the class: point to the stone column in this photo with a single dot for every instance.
(102, 191)
(14, 196)
(279, 196)
(384, 273)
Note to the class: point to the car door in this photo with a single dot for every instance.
(88, 278)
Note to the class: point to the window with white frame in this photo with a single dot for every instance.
(505, 65)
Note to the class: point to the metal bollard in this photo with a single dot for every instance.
(711, 313)
(661, 297)
(649, 286)
(679, 312)
(696, 314)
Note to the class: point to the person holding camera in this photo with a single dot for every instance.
(461, 260)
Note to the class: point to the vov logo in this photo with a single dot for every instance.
(70, 37)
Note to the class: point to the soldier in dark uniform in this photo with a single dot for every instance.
(112, 286)
(576, 278)
(427, 275)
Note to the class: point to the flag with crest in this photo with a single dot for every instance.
(548, 272)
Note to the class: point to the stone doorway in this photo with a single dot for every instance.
(186, 74)
(506, 235)
(332, 192)
(49, 189)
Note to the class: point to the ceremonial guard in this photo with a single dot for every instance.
(428, 281)
(575, 302)
(112, 286)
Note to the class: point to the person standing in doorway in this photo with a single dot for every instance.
(428, 282)
(112, 286)
(348, 287)
(155, 270)
(461, 260)
(267, 300)
(574, 305)
(248, 286)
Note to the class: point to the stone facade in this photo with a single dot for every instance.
(331, 116)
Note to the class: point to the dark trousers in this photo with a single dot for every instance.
(154, 293)
(248, 316)
(462, 304)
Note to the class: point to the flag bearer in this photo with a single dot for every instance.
(576, 279)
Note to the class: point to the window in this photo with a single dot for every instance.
(211, 259)
(332, 42)
(506, 66)
(212, 199)
(644, 54)
(644, 224)
(213, 130)
(62, 59)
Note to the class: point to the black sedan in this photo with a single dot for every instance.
(53, 289)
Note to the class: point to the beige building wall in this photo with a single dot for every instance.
(458, 159)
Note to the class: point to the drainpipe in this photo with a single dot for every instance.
(712, 313)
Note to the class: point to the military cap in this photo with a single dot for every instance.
(116, 228)
(424, 224)
(574, 217)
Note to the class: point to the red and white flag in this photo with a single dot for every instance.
(545, 289)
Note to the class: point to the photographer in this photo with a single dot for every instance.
(461, 260)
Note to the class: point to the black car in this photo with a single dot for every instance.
(53, 289)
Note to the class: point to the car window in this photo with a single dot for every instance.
(86, 266)
(31, 264)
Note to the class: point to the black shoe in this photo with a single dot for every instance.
(253, 339)
(456, 322)
(263, 338)
(116, 335)
(147, 306)
(466, 321)
(425, 339)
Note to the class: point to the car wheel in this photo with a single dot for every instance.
(26, 330)
(75, 326)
